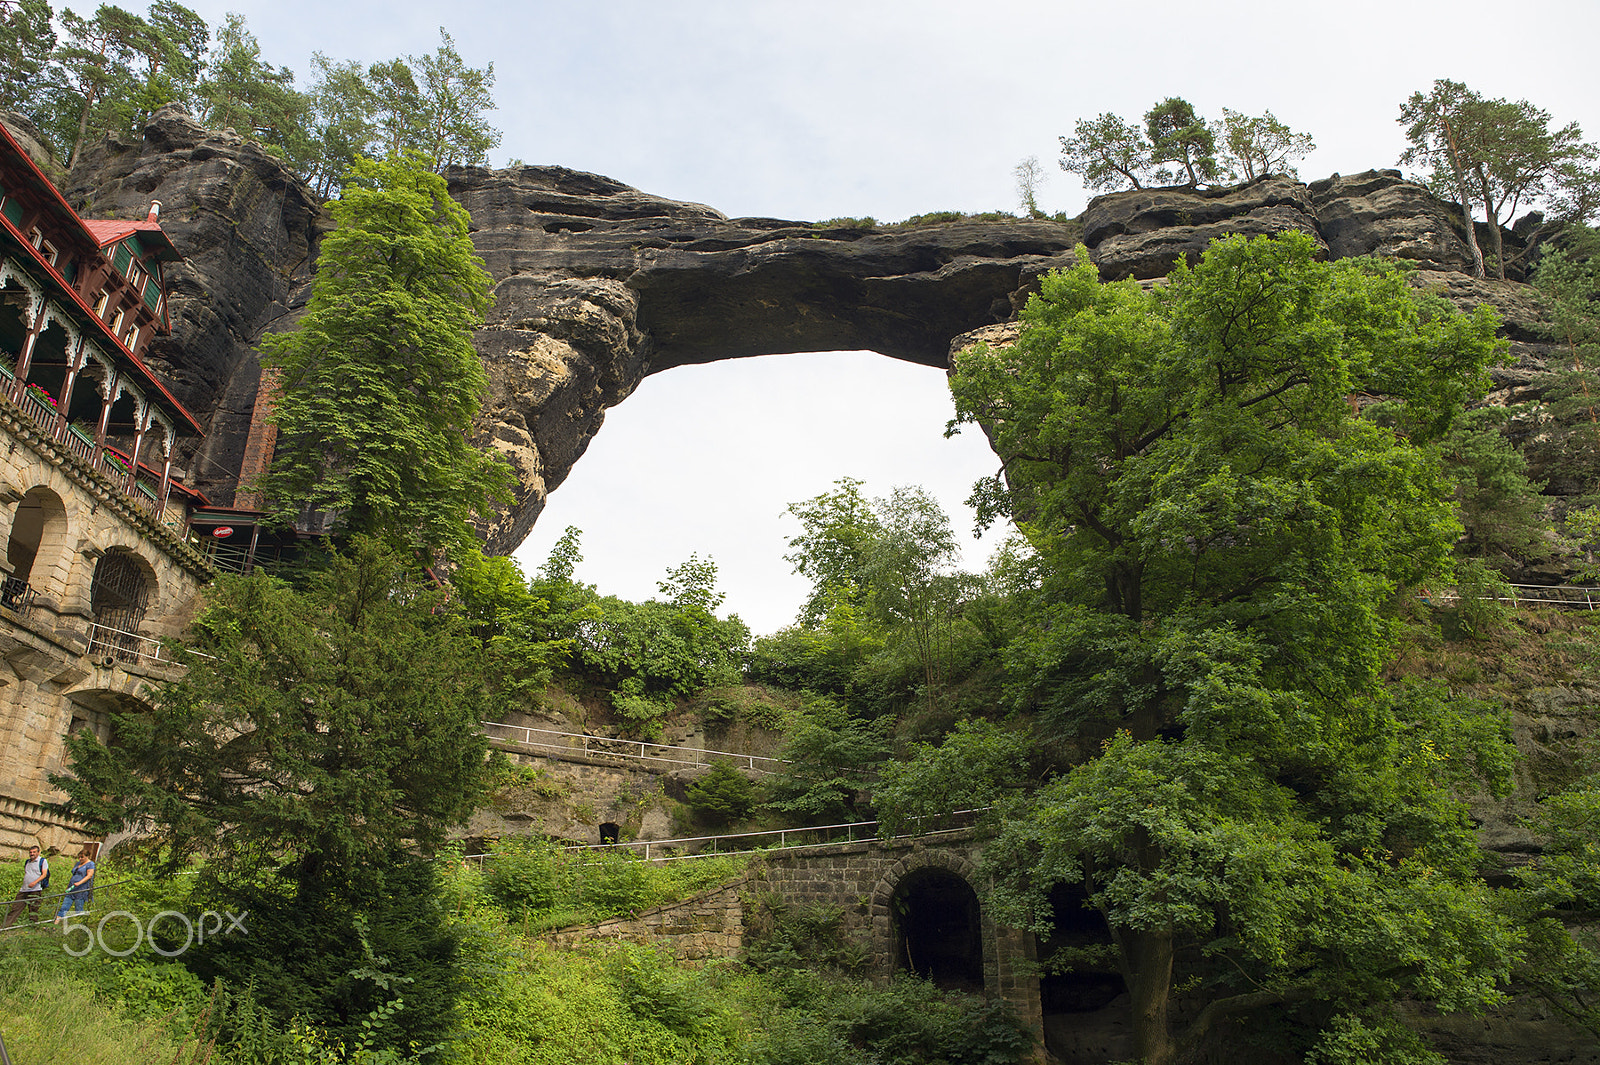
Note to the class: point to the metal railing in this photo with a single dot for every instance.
(577, 743)
(107, 642)
(662, 850)
(16, 594)
(1577, 597)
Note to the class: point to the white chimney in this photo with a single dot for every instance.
(155, 210)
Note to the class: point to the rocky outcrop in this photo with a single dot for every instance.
(1379, 213)
(1145, 232)
(598, 285)
(248, 229)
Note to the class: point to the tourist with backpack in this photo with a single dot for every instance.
(35, 882)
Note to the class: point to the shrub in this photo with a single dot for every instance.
(528, 875)
(723, 794)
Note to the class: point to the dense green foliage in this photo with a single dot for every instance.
(313, 728)
(1221, 536)
(379, 382)
(109, 72)
(314, 732)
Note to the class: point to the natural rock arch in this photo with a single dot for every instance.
(598, 285)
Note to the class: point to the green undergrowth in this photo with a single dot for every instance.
(1489, 650)
(536, 885)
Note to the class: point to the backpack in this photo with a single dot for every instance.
(44, 863)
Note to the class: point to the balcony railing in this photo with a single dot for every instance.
(108, 643)
(16, 595)
(43, 413)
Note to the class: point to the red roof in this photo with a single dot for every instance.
(110, 230)
(118, 347)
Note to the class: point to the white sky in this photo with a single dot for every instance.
(885, 108)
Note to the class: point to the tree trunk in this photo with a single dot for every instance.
(1461, 195)
(83, 124)
(1147, 969)
(1496, 245)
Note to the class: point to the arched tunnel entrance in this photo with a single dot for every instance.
(938, 930)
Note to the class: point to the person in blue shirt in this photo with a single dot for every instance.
(78, 885)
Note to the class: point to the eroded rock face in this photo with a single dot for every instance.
(248, 230)
(598, 285)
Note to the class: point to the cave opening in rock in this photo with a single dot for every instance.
(938, 932)
(1081, 991)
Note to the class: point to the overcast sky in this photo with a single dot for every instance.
(885, 108)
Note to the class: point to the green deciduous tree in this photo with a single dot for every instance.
(1220, 536)
(978, 765)
(837, 528)
(914, 589)
(827, 759)
(380, 381)
(1260, 145)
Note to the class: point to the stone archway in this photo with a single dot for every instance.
(120, 594)
(937, 929)
(927, 919)
(38, 536)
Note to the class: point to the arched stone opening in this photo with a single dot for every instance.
(1082, 996)
(38, 531)
(120, 593)
(938, 929)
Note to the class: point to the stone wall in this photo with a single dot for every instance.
(707, 927)
(55, 506)
(860, 879)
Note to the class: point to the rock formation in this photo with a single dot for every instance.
(248, 230)
(598, 285)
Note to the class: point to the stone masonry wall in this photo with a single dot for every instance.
(704, 928)
(861, 879)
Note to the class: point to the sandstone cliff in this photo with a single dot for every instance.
(598, 284)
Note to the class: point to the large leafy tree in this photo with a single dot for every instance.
(380, 381)
(312, 730)
(837, 529)
(1220, 534)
